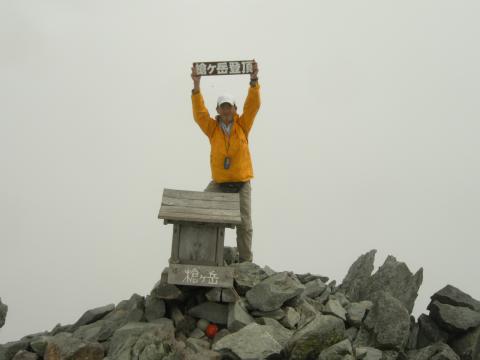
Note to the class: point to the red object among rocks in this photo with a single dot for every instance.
(211, 330)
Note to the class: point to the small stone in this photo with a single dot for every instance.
(213, 312)
(238, 317)
(93, 315)
(197, 333)
(291, 318)
(154, 308)
(314, 288)
(202, 324)
(229, 295)
(214, 294)
(333, 307)
(337, 351)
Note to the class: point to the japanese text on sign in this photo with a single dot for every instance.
(194, 276)
(224, 67)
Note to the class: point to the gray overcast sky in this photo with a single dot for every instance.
(367, 137)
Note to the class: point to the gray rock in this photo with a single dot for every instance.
(339, 351)
(453, 318)
(467, 346)
(390, 355)
(238, 317)
(358, 276)
(269, 271)
(154, 308)
(93, 315)
(166, 291)
(277, 314)
(271, 293)
(453, 296)
(341, 297)
(351, 333)
(39, 344)
(229, 295)
(8, 350)
(202, 324)
(197, 333)
(214, 294)
(25, 355)
(277, 330)
(333, 307)
(356, 312)
(368, 353)
(319, 334)
(291, 318)
(197, 344)
(429, 332)
(65, 346)
(437, 351)
(220, 334)
(254, 341)
(324, 297)
(307, 313)
(389, 321)
(214, 312)
(128, 310)
(413, 337)
(3, 313)
(314, 288)
(305, 278)
(138, 340)
(246, 276)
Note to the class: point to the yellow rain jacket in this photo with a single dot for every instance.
(240, 162)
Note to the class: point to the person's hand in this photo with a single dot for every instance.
(254, 73)
(195, 76)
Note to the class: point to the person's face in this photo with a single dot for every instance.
(226, 111)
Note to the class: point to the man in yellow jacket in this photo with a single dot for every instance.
(230, 160)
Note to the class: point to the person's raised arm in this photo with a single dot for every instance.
(200, 112)
(252, 102)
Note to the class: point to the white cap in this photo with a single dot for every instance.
(226, 98)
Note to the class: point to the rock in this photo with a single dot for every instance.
(246, 276)
(183, 323)
(277, 314)
(351, 333)
(314, 288)
(291, 318)
(229, 295)
(269, 271)
(202, 324)
(25, 355)
(64, 346)
(356, 312)
(271, 293)
(333, 307)
(166, 291)
(197, 344)
(341, 297)
(453, 318)
(214, 294)
(141, 339)
(368, 353)
(238, 317)
(358, 276)
(254, 341)
(214, 312)
(389, 321)
(429, 332)
(440, 351)
(339, 351)
(305, 278)
(154, 308)
(93, 315)
(453, 296)
(277, 330)
(307, 313)
(128, 310)
(222, 333)
(8, 350)
(467, 346)
(319, 334)
(3, 313)
(197, 333)
(39, 344)
(413, 337)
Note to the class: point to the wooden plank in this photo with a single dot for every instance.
(201, 195)
(236, 220)
(175, 242)
(200, 275)
(204, 204)
(200, 211)
(219, 249)
(197, 243)
(182, 222)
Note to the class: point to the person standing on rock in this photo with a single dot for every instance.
(230, 160)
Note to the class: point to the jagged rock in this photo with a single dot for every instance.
(238, 317)
(3, 312)
(166, 292)
(197, 333)
(390, 355)
(277, 314)
(214, 312)
(291, 318)
(319, 334)
(307, 313)
(467, 346)
(453, 296)
(339, 351)
(8, 350)
(139, 340)
(368, 353)
(413, 336)
(222, 333)
(65, 346)
(61, 328)
(333, 307)
(246, 276)
(305, 278)
(358, 276)
(39, 344)
(269, 271)
(128, 310)
(389, 321)
(93, 315)
(440, 351)
(182, 322)
(271, 293)
(277, 330)
(229, 295)
(197, 344)
(429, 332)
(351, 333)
(214, 294)
(341, 297)
(314, 288)
(453, 318)
(254, 341)
(356, 311)
(154, 308)
(25, 355)
(322, 299)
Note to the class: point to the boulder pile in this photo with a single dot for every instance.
(272, 315)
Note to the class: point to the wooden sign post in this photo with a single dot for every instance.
(199, 220)
(237, 67)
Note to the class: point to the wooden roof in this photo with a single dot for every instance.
(200, 206)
